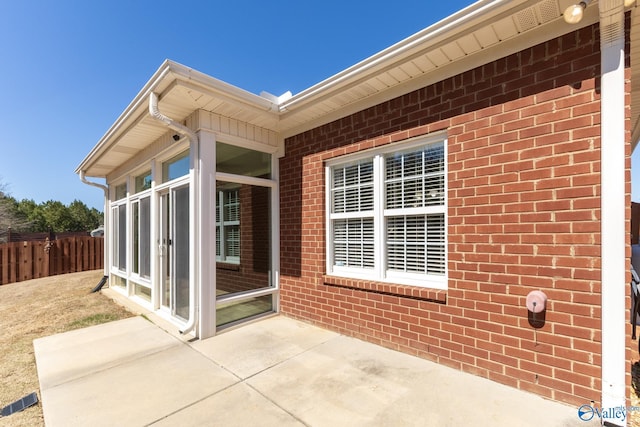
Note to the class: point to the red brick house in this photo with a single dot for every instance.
(413, 200)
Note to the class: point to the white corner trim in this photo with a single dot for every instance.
(614, 261)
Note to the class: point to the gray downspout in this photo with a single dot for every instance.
(193, 140)
(105, 224)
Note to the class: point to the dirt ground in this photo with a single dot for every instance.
(38, 308)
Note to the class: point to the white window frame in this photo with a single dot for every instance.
(117, 235)
(224, 223)
(379, 214)
(142, 175)
(172, 157)
(142, 279)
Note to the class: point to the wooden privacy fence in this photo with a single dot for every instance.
(30, 260)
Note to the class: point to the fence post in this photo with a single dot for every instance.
(47, 257)
(4, 264)
(25, 262)
(13, 263)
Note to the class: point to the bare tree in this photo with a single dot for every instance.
(10, 218)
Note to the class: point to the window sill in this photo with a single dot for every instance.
(413, 292)
(227, 266)
(140, 280)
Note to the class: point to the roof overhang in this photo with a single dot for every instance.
(181, 91)
(483, 32)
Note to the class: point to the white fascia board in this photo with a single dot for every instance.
(211, 84)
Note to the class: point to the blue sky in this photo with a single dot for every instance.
(70, 67)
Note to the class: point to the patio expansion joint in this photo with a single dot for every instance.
(240, 381)
(291, 414)
(307, 350)
(245, 382)
(192, 403)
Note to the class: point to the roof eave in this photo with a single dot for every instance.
(462, 23)
(448, 27)
(167, 73)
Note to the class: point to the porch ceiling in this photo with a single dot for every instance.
(485, 31)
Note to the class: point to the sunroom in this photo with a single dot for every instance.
(191, 216)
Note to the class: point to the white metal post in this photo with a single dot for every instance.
(207, 230)
(614, 262)
(154, 218)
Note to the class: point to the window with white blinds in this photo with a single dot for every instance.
(228, 226)
(386, 215)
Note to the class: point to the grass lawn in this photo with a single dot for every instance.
(38, 308)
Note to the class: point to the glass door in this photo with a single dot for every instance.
(180, 252)
(163, 251)
(174, 251)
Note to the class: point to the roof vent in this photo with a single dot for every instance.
(611, 22)
(536, 15)
(526, 20)
(548, 11)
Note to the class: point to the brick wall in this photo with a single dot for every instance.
(523, 211)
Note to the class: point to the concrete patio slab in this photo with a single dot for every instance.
(349, 382)
(274, 372)
(247, 351)
(80, 352)
(135, 393)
